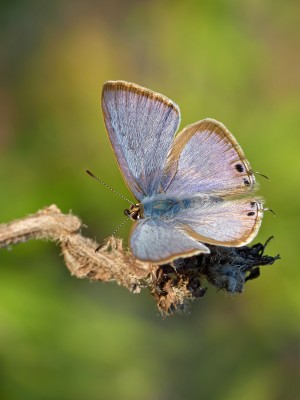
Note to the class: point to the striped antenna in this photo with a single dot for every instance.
(108, 187)
(264, 176)
(113, 234)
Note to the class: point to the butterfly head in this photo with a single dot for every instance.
(134, 212)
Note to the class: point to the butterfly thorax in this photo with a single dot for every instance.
(161, 206)
(158, 206)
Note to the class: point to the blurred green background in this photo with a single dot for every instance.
(63, 338)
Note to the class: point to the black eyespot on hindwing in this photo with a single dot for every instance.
(239, 167)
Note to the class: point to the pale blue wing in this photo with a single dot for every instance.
(225, 222)
(206, 158)
(141, 125)
(158, 242)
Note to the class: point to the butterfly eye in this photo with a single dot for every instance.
(134, 212)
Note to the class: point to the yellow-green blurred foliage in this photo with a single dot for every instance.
(62, 338)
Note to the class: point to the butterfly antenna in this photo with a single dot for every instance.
(108, 187)
(264, 176)
(269, 209)
(114, 232)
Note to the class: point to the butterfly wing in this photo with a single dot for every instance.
(218, 221)
(157, 241)
(206, 158)
(141, 125)
(207, 162)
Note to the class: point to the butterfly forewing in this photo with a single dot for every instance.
(141, 125)
(206, 158)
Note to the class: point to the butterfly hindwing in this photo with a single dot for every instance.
(157, 241)
(222, 222)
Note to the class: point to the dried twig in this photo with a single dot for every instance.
(173, 286)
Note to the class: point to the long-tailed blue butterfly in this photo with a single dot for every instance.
(191, 189)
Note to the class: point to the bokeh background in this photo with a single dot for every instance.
(63, 338)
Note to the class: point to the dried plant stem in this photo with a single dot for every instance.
(110, 263)
(171, 285)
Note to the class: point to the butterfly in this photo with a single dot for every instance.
(192, 189)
